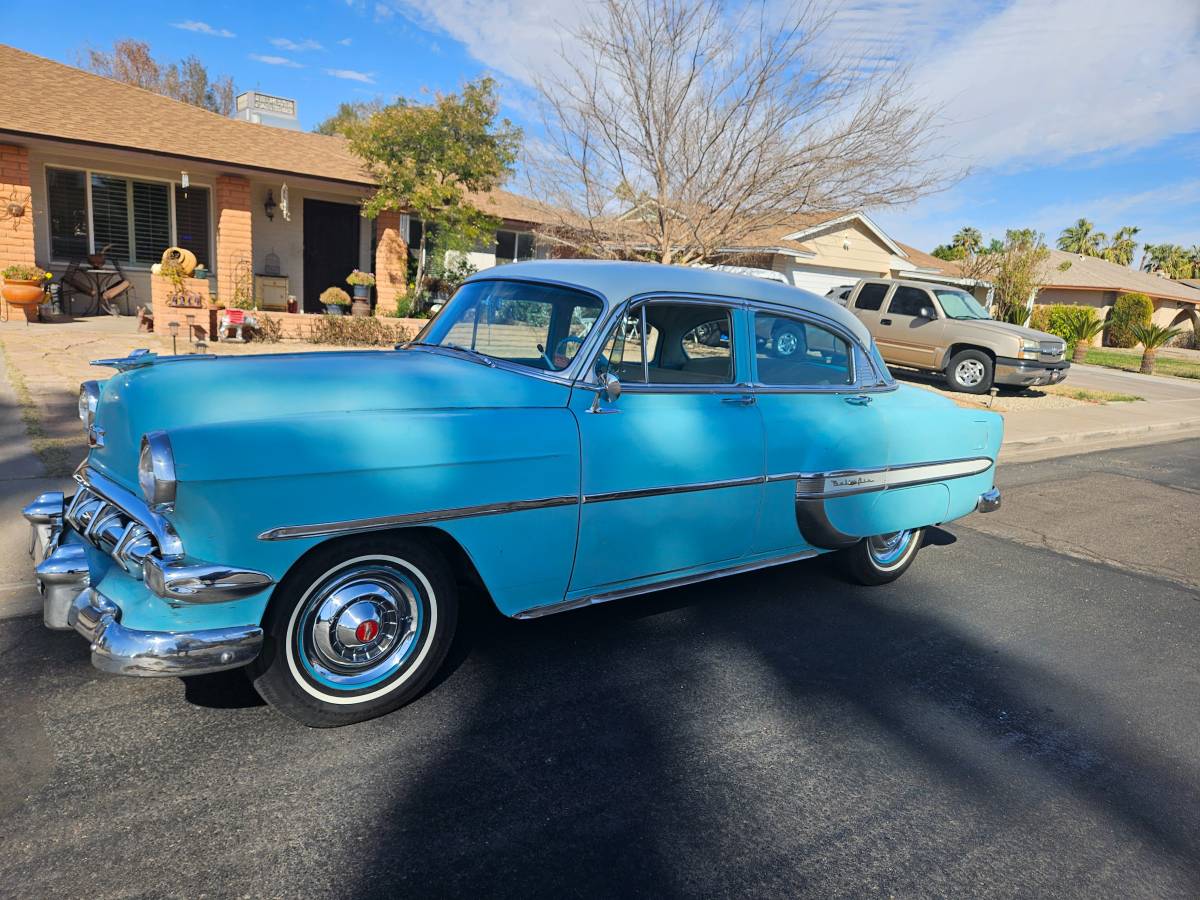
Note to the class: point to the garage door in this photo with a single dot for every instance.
(819, 282)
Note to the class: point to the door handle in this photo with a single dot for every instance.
(885, 321)
(743, 400)
(858, 399)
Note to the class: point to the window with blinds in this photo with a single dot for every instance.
(191, 223)
(110, 215)
(151, 220)
(67, 200)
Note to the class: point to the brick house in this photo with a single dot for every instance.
(87, 162)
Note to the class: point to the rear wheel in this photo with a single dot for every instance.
(882, 558)
(356, 630)
(971, 371)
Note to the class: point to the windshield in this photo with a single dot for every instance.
(541, 326)
(960, 305)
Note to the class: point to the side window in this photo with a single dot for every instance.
(907, 301)
(871, 296)
(623, 354)
(696, 344)
(795, 353)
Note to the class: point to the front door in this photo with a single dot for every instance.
(672, 469)
(905, 336)
(331, 248)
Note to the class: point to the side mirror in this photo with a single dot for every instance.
(612, 387)
(926, 312)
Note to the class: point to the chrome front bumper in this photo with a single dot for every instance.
(127, 651)
(1029, 373)
(69, 602)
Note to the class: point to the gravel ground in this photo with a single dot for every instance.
(1030, 398)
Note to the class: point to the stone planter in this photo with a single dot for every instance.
(360, 307)
(25, 296)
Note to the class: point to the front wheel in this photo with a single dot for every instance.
(356, 630)
(882, 558)
(971, 372)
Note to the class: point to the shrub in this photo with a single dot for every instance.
(1128, 311)
(25, 273)
(267, 331)
(335, 296)
(1065, 320)
(364, 330)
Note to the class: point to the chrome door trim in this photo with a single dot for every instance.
(682, 581)
(847, 482)
(378, 523)
(637, 493)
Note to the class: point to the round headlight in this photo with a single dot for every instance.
(89, 398)
(156, 469)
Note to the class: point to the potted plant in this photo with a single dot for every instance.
(336, 300)
(362, 282)
(24, 288)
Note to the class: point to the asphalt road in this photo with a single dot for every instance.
(1006, 720)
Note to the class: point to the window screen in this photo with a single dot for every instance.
(871, 296)
(110, 215)
(191, 223)
(67, 200)
(908, 301)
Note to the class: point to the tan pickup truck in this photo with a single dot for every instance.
(938, 328)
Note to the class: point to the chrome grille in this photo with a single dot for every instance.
(111, 529)
(1052, 349)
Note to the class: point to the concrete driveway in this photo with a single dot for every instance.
(1007, 720)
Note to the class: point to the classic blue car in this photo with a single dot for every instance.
(561, 434)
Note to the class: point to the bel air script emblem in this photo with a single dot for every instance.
(853, 481)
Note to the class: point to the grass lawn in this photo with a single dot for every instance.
(1131, 361)
(1089, 396)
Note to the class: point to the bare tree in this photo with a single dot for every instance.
(677, 131)
(188, 80)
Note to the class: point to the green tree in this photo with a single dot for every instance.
(1081, 332)
(1121, 246)
(347, 116)
(429, 159)
(188, 80)
(1081, 238)
(1151, 337)
(968, 238)
(1129, 311)
(1019, 273)
(1169, 259)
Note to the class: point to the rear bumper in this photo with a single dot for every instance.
(1028, 373)
(989, 501)
(127, 651)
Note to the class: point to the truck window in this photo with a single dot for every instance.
(907, 301)
(871, 296)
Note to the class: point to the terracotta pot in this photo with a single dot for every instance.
(360, 308)
(25, 295)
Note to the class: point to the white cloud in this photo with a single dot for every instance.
(296, 46)
(345, 42)
(351, 75)
(276, 61)
(383, 11)
(203, 28)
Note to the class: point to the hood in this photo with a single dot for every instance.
(178, 393)
(1019, 331)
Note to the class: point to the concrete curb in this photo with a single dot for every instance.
(1083, 437)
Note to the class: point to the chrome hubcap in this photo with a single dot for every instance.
(887, 549)
(359, 625)
(969, 372)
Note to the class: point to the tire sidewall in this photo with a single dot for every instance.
(277, 675)
(989, 372)
(860, 565)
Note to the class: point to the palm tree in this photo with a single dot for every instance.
(1081, 332)
(1081, 238)
(1121, 248)
(1151, 337)
(968, 239)
(1194, 259)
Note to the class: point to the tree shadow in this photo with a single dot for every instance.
(757, 735)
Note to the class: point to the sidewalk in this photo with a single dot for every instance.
(21, 479)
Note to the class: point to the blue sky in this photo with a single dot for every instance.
(1059, 108)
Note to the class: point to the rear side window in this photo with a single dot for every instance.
(907, 301)
(871, 296)
(799, 354)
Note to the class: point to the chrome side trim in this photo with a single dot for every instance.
(128, 651)
(593, 599)
(847, 482)
(637, 493)
(377, 523)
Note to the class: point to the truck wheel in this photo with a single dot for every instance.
(356, 630)
(971, 372)
(788, 340)
(881, 559)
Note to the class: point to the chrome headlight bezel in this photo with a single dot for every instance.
(156, 469)
(1030, 349)
(89, 399)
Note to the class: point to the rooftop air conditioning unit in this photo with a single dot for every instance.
(265, 109)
